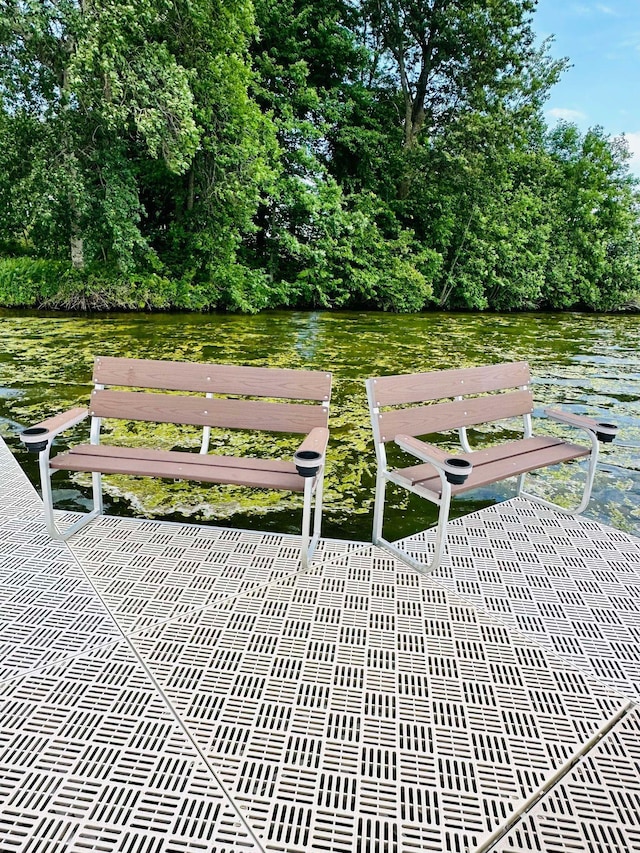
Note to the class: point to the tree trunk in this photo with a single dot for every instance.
(76, 242)
(77, 252)
(191, 188)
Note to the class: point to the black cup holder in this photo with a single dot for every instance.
(609, 435)
(461, 472)
(307, 462)
(31, 438)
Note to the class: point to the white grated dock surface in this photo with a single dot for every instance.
(178, 688)
(567, 583)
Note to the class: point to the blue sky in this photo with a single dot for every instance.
(602, 42)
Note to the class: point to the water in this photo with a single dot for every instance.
(588, 363)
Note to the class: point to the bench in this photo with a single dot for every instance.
(203, 395)
(456, 400)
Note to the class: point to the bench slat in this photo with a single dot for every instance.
(499, 463)
(176, 465)
(437, 385)
(214, 378)
(112, 451)
(200, 411)
(437, 417)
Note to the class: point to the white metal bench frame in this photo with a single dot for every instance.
(471, 401)
(203, 406)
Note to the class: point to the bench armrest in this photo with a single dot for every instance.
(317, 440)
(456, 469)
(605, 432)
(309, 457)
(40, 435)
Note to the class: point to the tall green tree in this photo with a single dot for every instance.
(82, 82)
(448, 119)
(321, 244)
(201, 220)
(140, 144)
(446, 59)
(594, 258)
(303, 53)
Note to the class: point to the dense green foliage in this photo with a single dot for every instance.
(213, 154)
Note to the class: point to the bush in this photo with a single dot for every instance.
(55, 285)
(352, 261)
(28, 283)
(92, 291)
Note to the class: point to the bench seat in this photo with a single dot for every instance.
(495, 463)
(181, 465)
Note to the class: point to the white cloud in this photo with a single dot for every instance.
(594, 9)
(632, 40)
(633, 139)
(566, 115)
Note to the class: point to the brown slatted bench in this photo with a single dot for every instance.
(209, 396)
(456, 400)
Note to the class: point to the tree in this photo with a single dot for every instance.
(451, 117)
(142, 144)
(91, 80)
(594, 259)
(303, 53)
(447, 58)
(201, 220)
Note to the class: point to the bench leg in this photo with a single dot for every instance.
(378, 508)
(47, 495)
(96, 482)
(317, 510)
(47, 501)
(393, 548)
(311, 538)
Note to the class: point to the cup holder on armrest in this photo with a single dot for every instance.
(308, 462)
(457, 470)
(32, 437)
(606, 432)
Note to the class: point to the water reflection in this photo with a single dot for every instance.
(307, 335)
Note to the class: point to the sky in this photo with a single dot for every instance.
(602, 86)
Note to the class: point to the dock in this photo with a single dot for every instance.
(176, 688)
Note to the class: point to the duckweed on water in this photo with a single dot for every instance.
(588, 363)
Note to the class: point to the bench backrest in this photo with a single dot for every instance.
(276, 384)
(512, 380)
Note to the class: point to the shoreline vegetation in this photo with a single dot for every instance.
(306, 154)
(56, 286)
